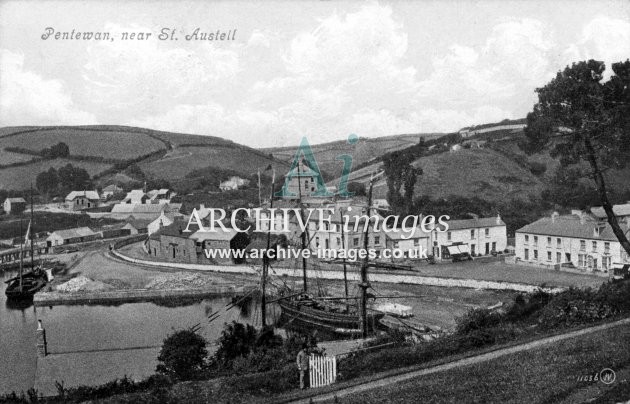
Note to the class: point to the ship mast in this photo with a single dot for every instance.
(32, 227)
(365, 283)
(21, 254)
(303, 237)
(265, 268)
(343, 246)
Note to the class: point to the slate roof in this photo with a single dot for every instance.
(73, 233)
(618, 210)
(139, 208)
(570, 226)
(16, 200)
(92, 195)
(474, 223)
(218, 235)
(176, 229)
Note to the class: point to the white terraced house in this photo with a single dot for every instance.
(481, 236)
(577, 240)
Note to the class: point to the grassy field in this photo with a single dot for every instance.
(361, 152)
(21, 177)
(467, 172)
(114, 144)
(183, 160)
(545, 375)
(9, 157)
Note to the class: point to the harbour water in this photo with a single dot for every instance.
(97, 327)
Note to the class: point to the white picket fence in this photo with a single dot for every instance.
(322, 370)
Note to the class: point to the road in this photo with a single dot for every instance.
(387, 381)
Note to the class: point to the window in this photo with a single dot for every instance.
(416, 242)
(549, 241)
(535, 240)
(472, 234)
(558, 258)
(582, 245)
(448, 236)
(494, 246)
(487, 232)
(535, 254)
(527, 239)
(377, 240)
(606, 248)
(582, 261)
(316, 241)
(548, 255)
(559, 242)
(339, 241)
(355, 241)
(594, 245)
(395, 244)
(568, 257)
(606, 261)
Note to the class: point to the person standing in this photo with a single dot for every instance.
(302, 363)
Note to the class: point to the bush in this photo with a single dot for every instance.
(183, 355)
(477, 319)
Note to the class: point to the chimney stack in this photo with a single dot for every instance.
(498, 219)
(554, 215)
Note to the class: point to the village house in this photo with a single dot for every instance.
(110, 190)
(220, 240)
(479, 236)
(165, 219)
(81, 200)
(302, 181)
(123, 211)
(577, 240)
(116, 230)
(233, 183)
(14, 206)
(412, 245)
(159, 196)
(173, 244)
(137, 226)
(71, 236)
(135, 197)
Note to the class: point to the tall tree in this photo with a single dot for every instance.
(401, 178)
(580, 118)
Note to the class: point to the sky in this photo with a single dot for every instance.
(320, 69)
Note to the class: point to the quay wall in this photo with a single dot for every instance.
(134, 295)
(338, 275)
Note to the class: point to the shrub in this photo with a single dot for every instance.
(183, 354)
(477, 319)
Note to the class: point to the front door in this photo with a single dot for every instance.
(472, 249)
(487, 248)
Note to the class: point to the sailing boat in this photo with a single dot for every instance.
(25, 285)
(320, 314)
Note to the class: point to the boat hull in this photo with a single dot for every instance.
(30, 286)
(337, 323)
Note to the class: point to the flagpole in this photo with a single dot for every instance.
(259, 196)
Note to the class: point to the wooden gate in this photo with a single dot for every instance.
(322, 370)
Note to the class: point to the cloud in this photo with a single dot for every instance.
(152, 75)
(27, 98)
(605, 38)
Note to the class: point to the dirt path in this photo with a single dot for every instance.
(386, 381)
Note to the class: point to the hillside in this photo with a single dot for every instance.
(468, 172)
(362, 152)
(99, 149)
